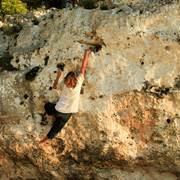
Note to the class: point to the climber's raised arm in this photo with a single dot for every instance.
(59, 73)
(85, 60)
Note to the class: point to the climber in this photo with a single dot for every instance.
(68, 101)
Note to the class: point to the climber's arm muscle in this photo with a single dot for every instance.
(59, 73)
(84, 63)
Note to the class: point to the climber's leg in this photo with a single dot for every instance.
(50, 108)
(61, 120)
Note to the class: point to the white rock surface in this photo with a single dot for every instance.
(128, 121)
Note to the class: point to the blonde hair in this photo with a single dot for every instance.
(70, 80)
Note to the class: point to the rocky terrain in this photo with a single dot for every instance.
(128, 124)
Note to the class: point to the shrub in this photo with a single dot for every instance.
(104, 7)
(5, 63)
(10, 30)
(1, 17)
(33, 4)
(59, 4)
(31, 75)
(88, 4)
(13, 7)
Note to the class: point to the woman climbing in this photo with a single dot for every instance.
(68, 101)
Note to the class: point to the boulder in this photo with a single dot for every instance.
(127, 126)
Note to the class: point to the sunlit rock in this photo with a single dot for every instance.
(127, 126)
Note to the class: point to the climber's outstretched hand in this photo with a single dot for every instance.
(88, 51)
(59, 73)
(85, 60)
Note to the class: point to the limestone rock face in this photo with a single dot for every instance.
(128, 122)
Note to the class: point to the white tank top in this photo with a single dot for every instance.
(69, 98)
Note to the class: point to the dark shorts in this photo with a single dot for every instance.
(61, 119)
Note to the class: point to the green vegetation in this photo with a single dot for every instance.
(13, 7)
(32, 4)
(10, 7)
(22, 102)
(88, 4)
(104, 6)
(59, 4)
(5, 63)
(1, 16)
(31, 75)
(11, 30)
